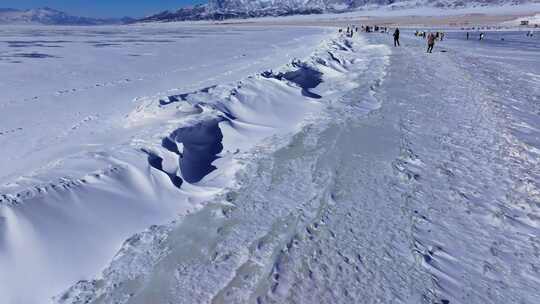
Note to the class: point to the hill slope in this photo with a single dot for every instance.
(49, 16)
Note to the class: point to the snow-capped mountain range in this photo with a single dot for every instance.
(343, 5)
(225, 9)
(50, 16)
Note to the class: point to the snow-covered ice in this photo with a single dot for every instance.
(328, 170)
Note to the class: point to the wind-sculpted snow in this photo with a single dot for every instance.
(304, 76)
(201, 142)
(156, 162)
(223, 256)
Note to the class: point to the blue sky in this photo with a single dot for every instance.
(102, 8)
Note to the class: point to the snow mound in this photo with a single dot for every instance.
(75, 187)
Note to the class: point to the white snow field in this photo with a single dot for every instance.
(84, 111)
(268, 165)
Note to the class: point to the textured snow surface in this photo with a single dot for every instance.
(418, 183)
(357, 172)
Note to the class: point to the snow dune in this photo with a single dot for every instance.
(257, 114)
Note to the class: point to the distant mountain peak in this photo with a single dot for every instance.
(49, 16)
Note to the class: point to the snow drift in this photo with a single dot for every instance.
(260, 112)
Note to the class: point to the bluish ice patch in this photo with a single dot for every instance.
(31, 43)
(106, 44)
(34, 55)
(143, 41)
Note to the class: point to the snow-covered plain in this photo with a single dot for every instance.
(84, 113)
(320, 170)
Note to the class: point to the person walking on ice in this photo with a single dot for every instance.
(396, 37)
(430, 42)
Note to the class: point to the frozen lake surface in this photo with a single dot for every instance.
(75, 84)
(322, 169)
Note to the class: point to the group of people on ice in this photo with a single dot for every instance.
(438, 35)
(351, 29)
(374, 28)
(430, 37)
(480, 37)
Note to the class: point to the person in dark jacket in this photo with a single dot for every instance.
(396, 37)
(430, 42)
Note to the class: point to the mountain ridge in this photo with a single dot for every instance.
(50, 16)
(228, 9)
(241, 9)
